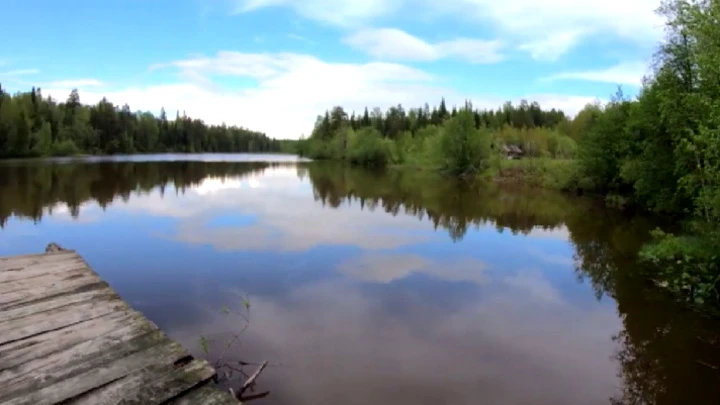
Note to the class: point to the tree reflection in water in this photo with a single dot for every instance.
(666, 355)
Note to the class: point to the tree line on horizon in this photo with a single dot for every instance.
(32, 126)
(397, 119)
(455, 140)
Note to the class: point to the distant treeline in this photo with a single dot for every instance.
(393, 122)
(457, 140)
(33, 125)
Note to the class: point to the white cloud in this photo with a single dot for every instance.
(388, 267)
(75, 83)
(630, 73)
(330, 335)
(560, 232)
(551, 47)
(546, 29)
(395, 44)
(635, 20)
(300, 86)
(275, 227)
(392, 43)
(20, 72)
(341, 13)
(300, 38)
(551, 258)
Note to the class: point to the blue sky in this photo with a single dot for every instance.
(245, 62)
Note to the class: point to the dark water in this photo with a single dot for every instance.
(369, 287)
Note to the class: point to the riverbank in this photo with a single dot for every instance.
(552, 174)
(558, 174)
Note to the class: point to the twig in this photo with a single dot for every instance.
(706, 364)
(250, 381)
(229, 343)
(236, 370)
(254, 396)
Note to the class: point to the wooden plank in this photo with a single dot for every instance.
(100, 352)
(151, 385)
(42, 291)
(56, 364)
(42, 345)
(78, 378)
(98, 291)
(41, 269)
(30, 256)
(208, 394)
(57, 318)
(10, 264)
(46, 279)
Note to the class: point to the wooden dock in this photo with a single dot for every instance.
(67, 338)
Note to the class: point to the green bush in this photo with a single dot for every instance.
(537, 142)
(550, 173)
(686, 265)
(64, 148)
(464, 148)
(368, 148)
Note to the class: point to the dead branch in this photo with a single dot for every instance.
(254, 396)
(250, 381)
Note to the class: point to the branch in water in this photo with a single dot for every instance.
(250, 381)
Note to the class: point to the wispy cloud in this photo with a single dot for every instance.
(300, 38)
(386, 267)
(536, 26)
(75, 83)
(395, 44)
(550, 48)
(20, 72)
(630, 73)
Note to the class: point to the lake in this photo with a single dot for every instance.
(381, 287)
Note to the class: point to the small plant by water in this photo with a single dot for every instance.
(232, 373)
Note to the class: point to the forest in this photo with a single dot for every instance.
(32, 126)
(658, 152)
(459, 140)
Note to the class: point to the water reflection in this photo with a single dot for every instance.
(534, 298)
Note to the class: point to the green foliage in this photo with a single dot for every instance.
(368, 148)
(537, 142)
(204, 345)
(603, 149)
(687, 265)
(44, 144)
(464, 148)
(559, 174)
(662, 151)
(579, 126)
(31, 125)
(64, 148)
(455, 141)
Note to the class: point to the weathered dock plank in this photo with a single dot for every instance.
(67, 337)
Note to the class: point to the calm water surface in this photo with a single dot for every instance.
(375, 287)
